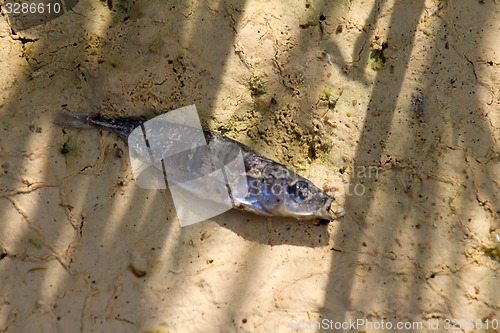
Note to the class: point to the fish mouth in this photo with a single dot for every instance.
(331, 210)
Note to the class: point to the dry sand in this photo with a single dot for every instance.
(392, 105)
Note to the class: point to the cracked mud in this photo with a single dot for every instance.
(393, 108)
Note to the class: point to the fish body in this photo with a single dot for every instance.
(271, 188)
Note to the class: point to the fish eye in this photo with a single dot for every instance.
(300, 191)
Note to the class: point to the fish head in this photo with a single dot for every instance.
(284, 193)
(304, 200)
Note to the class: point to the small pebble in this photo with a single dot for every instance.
(119, 153)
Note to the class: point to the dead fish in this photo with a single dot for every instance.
(272, 189)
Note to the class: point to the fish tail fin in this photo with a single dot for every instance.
(73, 119)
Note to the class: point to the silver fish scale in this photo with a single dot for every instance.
(269, 184)
(265, 187)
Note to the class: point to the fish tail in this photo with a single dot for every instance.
(121, 127)
(73, 119)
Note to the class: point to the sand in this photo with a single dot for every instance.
(392, 106)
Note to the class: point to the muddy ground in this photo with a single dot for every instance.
(393, 106)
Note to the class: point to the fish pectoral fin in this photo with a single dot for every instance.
(249, 208)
